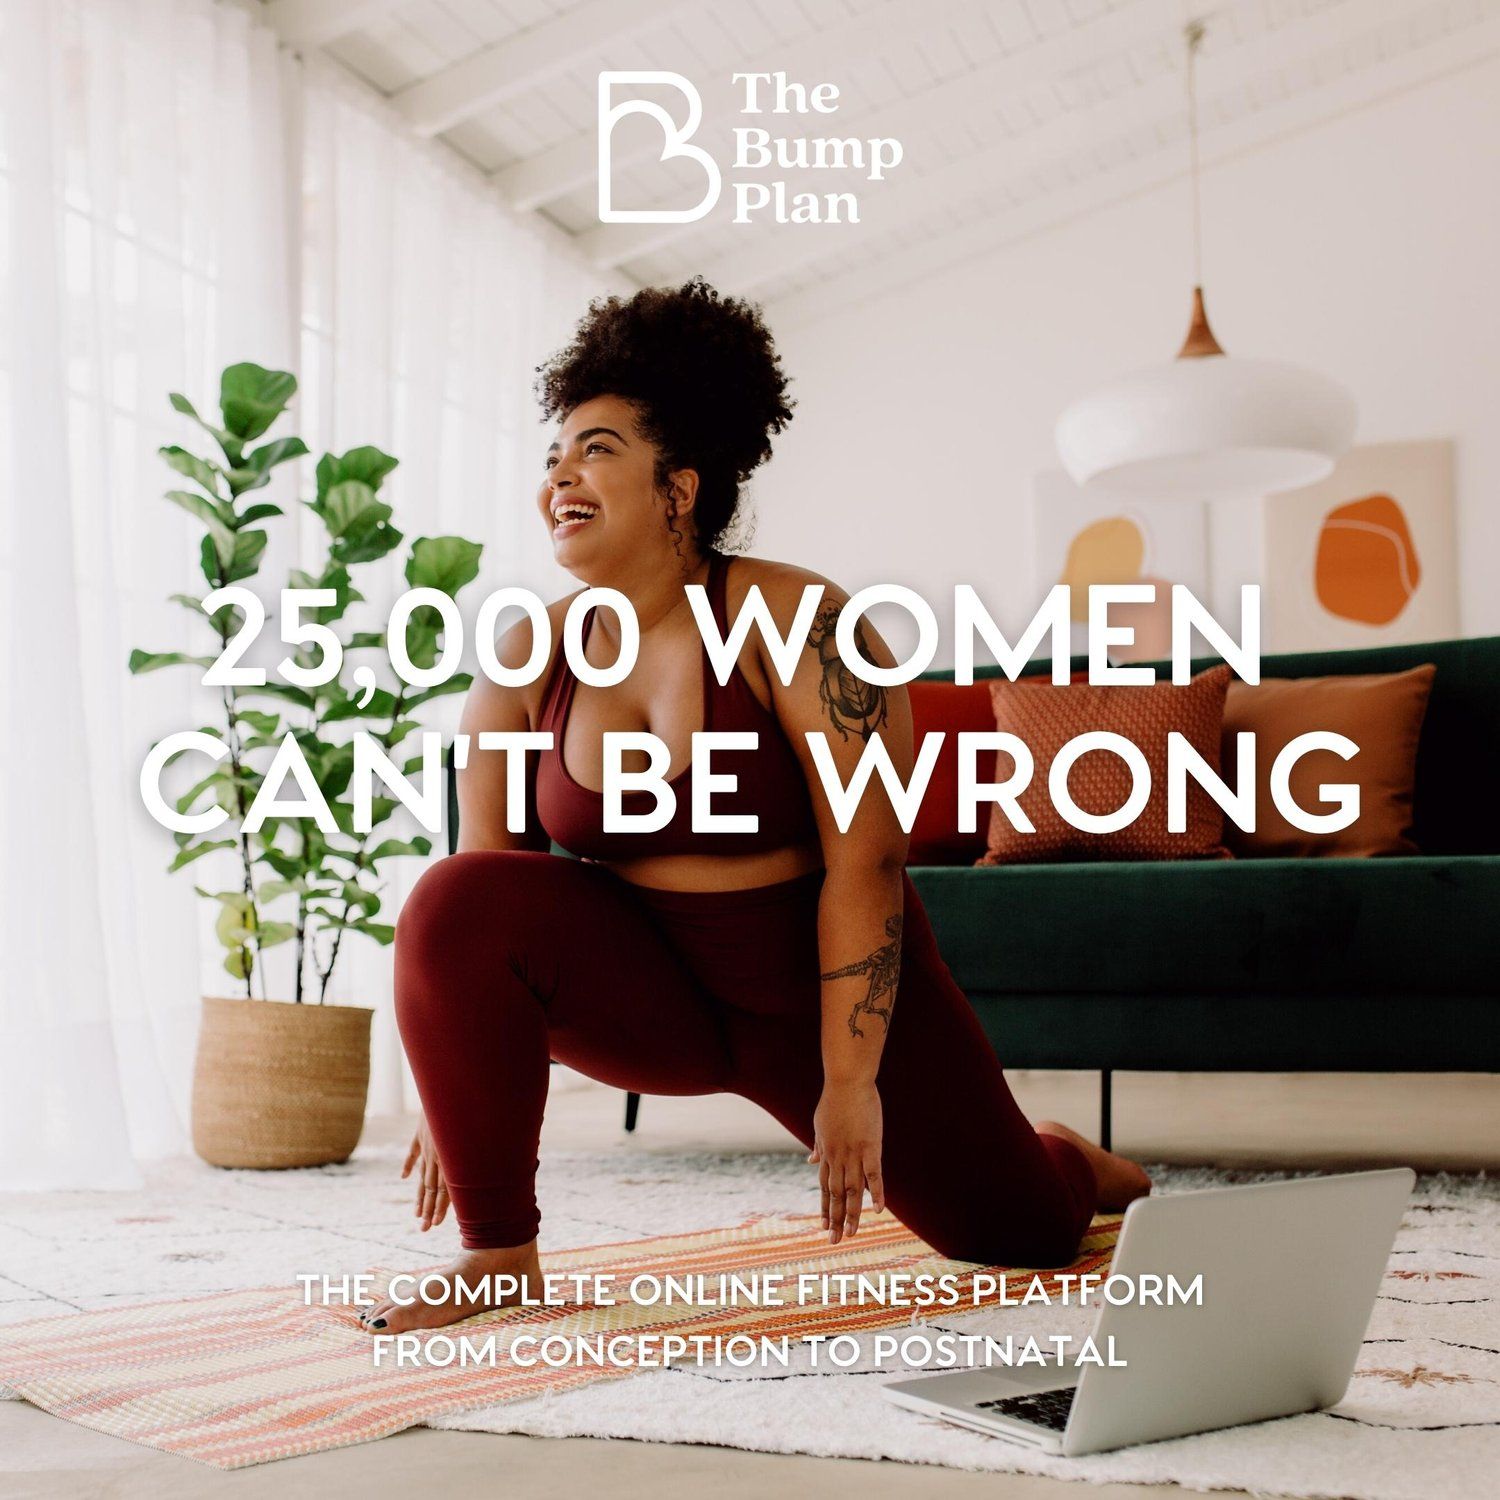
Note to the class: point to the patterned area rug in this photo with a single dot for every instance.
(240, 1378)
(1421, 1420)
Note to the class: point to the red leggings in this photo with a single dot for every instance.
(504, 959)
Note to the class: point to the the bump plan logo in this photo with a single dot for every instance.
(660, 164)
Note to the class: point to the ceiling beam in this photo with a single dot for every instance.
(315, 23)
(574, 163)
(1088, 44)
(1012, 162)
(1472, 45)
(524, 61)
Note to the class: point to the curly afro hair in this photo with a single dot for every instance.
(705, 379)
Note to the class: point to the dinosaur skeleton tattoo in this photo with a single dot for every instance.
(851, 703)
(883, 969)
(860, 706)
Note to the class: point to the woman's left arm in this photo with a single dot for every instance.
(860, 908)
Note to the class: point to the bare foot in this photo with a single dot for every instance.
(1119, 1179)
(480, 1270)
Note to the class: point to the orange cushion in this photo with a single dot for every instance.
(948, 709)
(1047, 717)
(1382, 714)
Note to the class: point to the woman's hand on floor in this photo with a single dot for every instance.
(847, 1132)
(432, 1191)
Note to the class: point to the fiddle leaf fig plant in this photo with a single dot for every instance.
(327, 883)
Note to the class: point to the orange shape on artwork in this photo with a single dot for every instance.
(1367, 566)
(1110, 550)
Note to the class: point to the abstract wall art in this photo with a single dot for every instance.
(1085, 539)
(1365, 557)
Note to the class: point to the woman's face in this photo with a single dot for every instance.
(598, 496)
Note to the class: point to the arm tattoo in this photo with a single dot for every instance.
(882, 967)
(851, 703)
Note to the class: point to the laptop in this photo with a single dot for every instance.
(1290, 1271)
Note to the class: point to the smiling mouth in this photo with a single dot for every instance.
(571, 514)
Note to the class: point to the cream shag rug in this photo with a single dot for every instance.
(1421, 1420)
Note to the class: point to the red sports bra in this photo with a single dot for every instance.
(771, 783)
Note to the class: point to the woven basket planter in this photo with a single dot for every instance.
(279, 1085)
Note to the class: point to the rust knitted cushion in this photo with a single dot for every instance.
(946, 708)
(1100, 782)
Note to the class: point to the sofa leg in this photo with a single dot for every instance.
(1106, 1101)
(632, 1110)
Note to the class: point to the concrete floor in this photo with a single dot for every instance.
(1451, 1122)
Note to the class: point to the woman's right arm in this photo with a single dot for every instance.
(490, 708)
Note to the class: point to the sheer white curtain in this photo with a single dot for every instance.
(176, 194)
(425, 310)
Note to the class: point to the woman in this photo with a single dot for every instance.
(794, 964)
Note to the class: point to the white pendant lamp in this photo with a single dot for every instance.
(1207, 426)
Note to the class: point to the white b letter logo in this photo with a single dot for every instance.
(676, 144)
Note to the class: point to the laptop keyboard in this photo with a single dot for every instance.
(1044, 1408)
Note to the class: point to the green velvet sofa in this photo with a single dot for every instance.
(1255, 965)
(1260, 965)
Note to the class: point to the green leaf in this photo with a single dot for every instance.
(216, 779)
(239, 962)
(260, 512)
(335, 577)
(255, 470)
(274, 890)
(226, 440)
(197, 851)
(208, 562)
(262, 723)
(228, 620)
(207, 512)
(334, 900)
(381, 706)
(152, 661)
(358, 523)
(367, 901)
(210, 512)
(251, 398)
(285, 865)
(236, 921)
(382, 932)
(343, 815)
(365, 640)
(332, 766)
(286, 691)
(392, 847)
(350, 506)
(369, 546)
(460, 682)
(368, 465)
(248, 546)
(199, 470)
(273, 933)
(443, 562)
(424, 629)
(265, 458)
